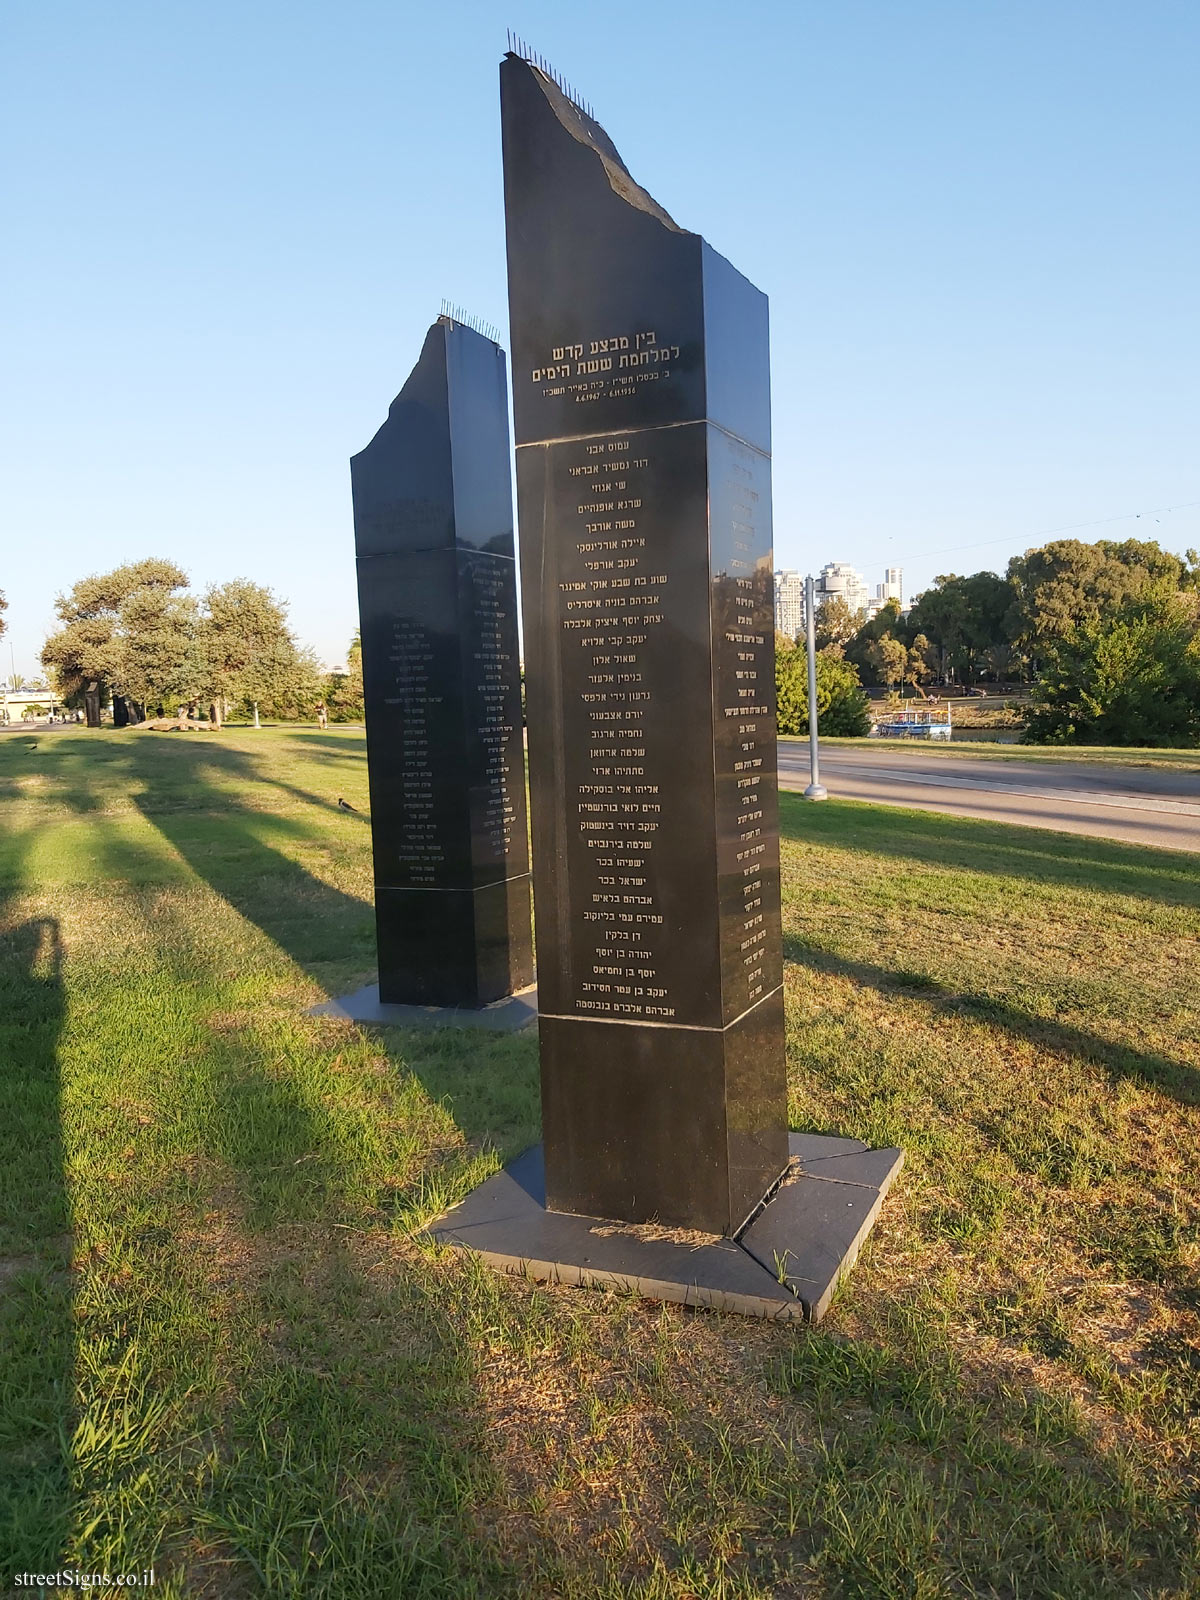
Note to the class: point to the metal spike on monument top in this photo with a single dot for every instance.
(454, 313)
(518, 47)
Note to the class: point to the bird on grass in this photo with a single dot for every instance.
(344, 805)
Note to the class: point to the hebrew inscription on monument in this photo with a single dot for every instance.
(433, 530)
(641, 399)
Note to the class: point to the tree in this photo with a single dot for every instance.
(344, 690)
(284, 682)
(922, 660)
(287, 683)
(246, 646)
(3, 609)
(842, 707)
(1005, 661)
(889, 658)
(963, 618)
(834, 623)
(1128, 679)
(131, 633)
(1067, 583)
(88, 655)
(862, 649)
(161, 661)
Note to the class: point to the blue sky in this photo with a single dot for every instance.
(228, 226)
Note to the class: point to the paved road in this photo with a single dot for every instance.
(1139, 805)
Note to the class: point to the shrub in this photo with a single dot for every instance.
(841, 703)
(1133, 679)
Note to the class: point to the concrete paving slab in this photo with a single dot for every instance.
(805, 1238)
(812, 1230)
(364, 1005)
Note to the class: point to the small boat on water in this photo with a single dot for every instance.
(913, 722)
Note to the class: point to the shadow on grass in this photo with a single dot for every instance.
(87, 775)
(355, 1460)
(925, 1482)
(491, 1088)
(211, 804)
(78, 768)
(208, 758)
(36, 1294)
(276, 1403)
(1174, 1078)
(235, 848)
(350, 746)
(999, 849)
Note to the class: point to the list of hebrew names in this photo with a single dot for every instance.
(492, 698)
(495, 697)
(745, 667)
(615, 609)
(419, 850)
(612, 612)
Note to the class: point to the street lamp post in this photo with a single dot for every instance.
(816, 789)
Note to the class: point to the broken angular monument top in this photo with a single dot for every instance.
(659, 300)
(445, 443)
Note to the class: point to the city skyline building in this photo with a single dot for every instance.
(840, 579)
(892, 588)
(836, 578)
(789, 603)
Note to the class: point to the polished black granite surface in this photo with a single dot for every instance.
(641, 398)
(437, 603)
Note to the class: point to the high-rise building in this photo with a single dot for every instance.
(789, 603)
(837, 579)
(845, 581)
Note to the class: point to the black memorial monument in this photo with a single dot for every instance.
(433, 530)
(642, 406)
(641, 397)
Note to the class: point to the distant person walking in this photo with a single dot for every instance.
(322, 715)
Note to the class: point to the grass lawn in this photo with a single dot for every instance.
(224, 1355)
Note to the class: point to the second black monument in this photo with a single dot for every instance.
(433, 530)
(642, 407)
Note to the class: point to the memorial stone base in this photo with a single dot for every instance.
(514, 1011)
(785, 1264)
